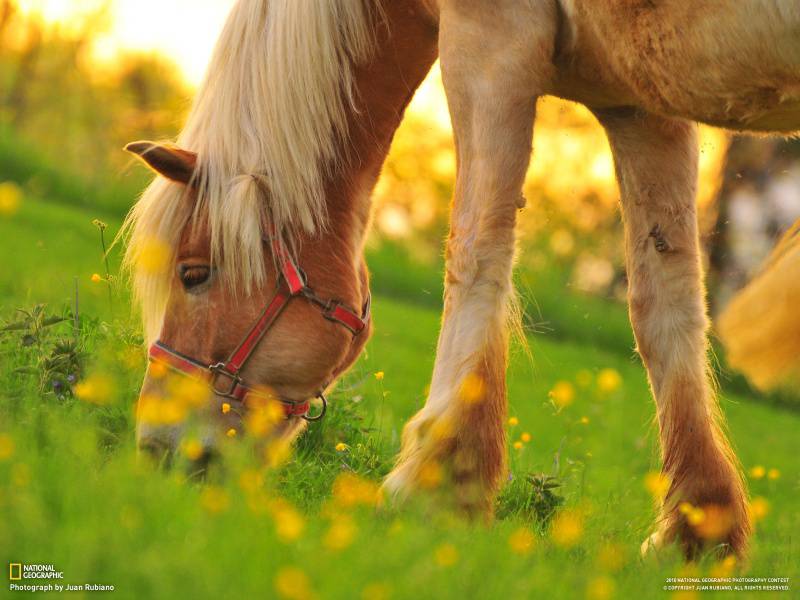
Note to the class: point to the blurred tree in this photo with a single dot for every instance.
(75, 112)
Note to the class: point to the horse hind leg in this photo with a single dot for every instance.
(656, 162)
(495, 60)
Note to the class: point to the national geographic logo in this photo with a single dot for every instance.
(20, 571)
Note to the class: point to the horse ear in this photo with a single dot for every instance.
(165, 159)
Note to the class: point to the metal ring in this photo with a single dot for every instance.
(322, 412)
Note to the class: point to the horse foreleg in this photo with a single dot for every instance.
(656, 161)
(495, 61)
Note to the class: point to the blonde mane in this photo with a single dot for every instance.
(268, 125)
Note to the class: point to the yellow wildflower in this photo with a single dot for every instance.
(291, 583)
(608, 381)
(153, 257)
(472, 389)
(446, 555)
(157, 411)
(6, 446)
(187, 392)
(379, 375)
(757, 472)
(723, 568)
(231, 432)
(685, 508)
(562, 394)
(289, 523)
(584, 420)
(759, 508)
(521, 541)
(157, 370)
(773, 474)
(525, 437)
(600, 588)
(96, 278)
(717, 522)
(276, 453)
(226, 408)
(192, 449)
(263, 417)
(10, 198)
(517, 445)
(513, 421)
(341, 534)
(96, 389)
(567, 529)
(351, 490)
(341, 447)
(214, 499)
(657, 484)
(695, 516)
(430, 475)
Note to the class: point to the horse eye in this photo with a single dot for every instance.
(193, 275)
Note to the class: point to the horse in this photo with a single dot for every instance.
(263, 202)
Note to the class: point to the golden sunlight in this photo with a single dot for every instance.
(184, 30)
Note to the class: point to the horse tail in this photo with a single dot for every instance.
(760, 328)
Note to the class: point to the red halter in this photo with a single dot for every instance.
(291, 284)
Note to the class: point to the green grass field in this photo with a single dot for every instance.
(73, 494)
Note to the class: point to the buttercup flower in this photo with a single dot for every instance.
(600, 588)
(608, 381)
(562, 394)
(521, 541)
(10, 198)
(341, 534)
(6, 446)
(759, 508)
(291, 583)
(192, 449)
(446, 555)
(567, 529)
(657, 484)
(472, 389)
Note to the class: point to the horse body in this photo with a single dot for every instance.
(733, 64)
(293, 140)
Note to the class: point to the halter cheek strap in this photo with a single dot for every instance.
(224, 377)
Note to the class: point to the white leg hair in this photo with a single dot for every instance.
(493, 72)
(656, 162)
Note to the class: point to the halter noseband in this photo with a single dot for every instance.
(291, 284)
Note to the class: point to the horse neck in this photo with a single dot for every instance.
(406, 49)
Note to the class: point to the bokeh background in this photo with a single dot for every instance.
(78, 80)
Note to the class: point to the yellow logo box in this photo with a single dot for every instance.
(15, 571)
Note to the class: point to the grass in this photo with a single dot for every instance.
(73, 494)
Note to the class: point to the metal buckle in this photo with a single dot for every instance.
(322, 412)
(219, 369)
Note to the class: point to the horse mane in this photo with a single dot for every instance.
(268, 125)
